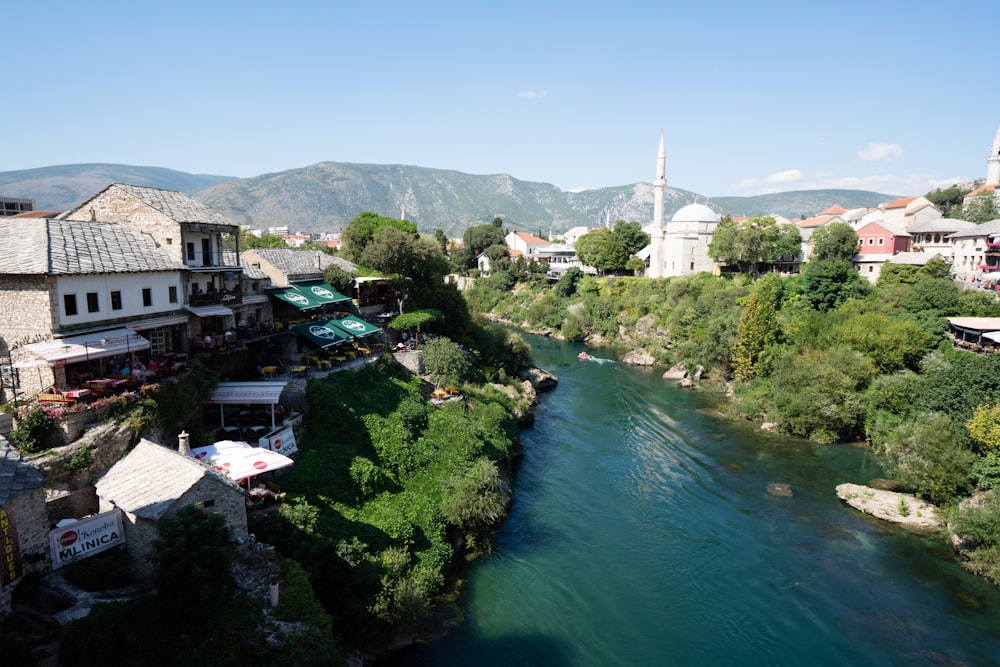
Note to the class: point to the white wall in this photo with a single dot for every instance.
(129, 284)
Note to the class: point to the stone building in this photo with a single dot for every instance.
(152, 482)
(24, 524)
(66, 286)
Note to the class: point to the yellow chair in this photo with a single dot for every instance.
(268, 371)
(299, 370)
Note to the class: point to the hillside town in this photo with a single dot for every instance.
(120, 294)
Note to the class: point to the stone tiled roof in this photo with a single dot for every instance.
(296, 263)
(941, 225)
(63, 247)
(16, 476)
(150, 479)
(986, 229)
(178, 206)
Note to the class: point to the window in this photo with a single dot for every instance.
(871, 241)
(172, 294)
(93, 304)
(147, 297)
(69, 304)
(190, 251)
(881, 241)
(116, 300)
(169, 241)
(871, 268)
(206, 252)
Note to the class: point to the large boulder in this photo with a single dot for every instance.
(638, 357)
(541, 380)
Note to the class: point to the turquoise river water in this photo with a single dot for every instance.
(642, 533)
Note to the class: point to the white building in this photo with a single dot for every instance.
(680, 246)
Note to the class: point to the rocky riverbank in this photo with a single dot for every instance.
(903, 509)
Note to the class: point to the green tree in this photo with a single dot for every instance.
(632, 237)
(476, 500)
(947, 199)
(192, 559)
(442, 240)
(339, 278)
(566, 285)
(602, 249)
(984, 427)
(892, 345)
(926, 455)
(444, 362)
(415, 320)
(362, 230)
(248, 240)
(757, 330)
(981, 208)
(836, 241)
(750, 244)
(477, 239)
(396, 252)
(830, 283)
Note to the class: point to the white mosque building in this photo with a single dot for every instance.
(680, 246)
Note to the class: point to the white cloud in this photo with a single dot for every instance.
(880, 152)
(533, 94)
(787, 176)
(745, 184)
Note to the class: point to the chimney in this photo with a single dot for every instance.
(184, 443)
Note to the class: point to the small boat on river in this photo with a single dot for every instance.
(584, 356)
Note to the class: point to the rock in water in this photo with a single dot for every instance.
(780, 489)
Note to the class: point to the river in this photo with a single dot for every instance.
(642, 533)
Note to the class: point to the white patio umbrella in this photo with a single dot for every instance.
(239, 460)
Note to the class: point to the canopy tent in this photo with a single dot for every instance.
(209, 311)
(239, 460)
(247, 393)
(321, 292)
(992, 335)
(296, 298)
(323, 335)
(74, 349)
(354, 326)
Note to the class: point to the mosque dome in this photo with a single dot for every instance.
(695, 213)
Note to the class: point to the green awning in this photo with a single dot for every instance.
(295, 298)
(321, 292)
(354, 326)
(323, 335)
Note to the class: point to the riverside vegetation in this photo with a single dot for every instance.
(821, 355)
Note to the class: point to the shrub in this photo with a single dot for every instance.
(32, 429)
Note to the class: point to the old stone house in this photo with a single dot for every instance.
(24, 525)
(151, 482)
(74, 292)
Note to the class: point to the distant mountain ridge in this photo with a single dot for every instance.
(324, 197)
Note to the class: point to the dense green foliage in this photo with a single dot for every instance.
(751, 244)
(362, 230)
(384, 491)
(33, 427)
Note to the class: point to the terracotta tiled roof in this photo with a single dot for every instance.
(834, 210)
(981, 189)
(530, 239)
(900, 203)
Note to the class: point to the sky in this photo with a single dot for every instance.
(891, 96)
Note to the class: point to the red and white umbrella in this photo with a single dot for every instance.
(239, 460)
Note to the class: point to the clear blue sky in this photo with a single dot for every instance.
(893, 96)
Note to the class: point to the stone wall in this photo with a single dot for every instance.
(30, 313)
(411, 359)
(27, 512)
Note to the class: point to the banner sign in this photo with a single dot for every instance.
(282, 442)
(86, 537)
(10, 552)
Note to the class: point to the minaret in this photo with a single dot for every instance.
(656, 268)
(660, 183)
(993, 163)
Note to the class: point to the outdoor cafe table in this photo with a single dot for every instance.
(76, 394)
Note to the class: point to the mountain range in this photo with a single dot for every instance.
(324, 197)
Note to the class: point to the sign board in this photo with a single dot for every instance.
(10, 552)
(86, 538)
(282, 442)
